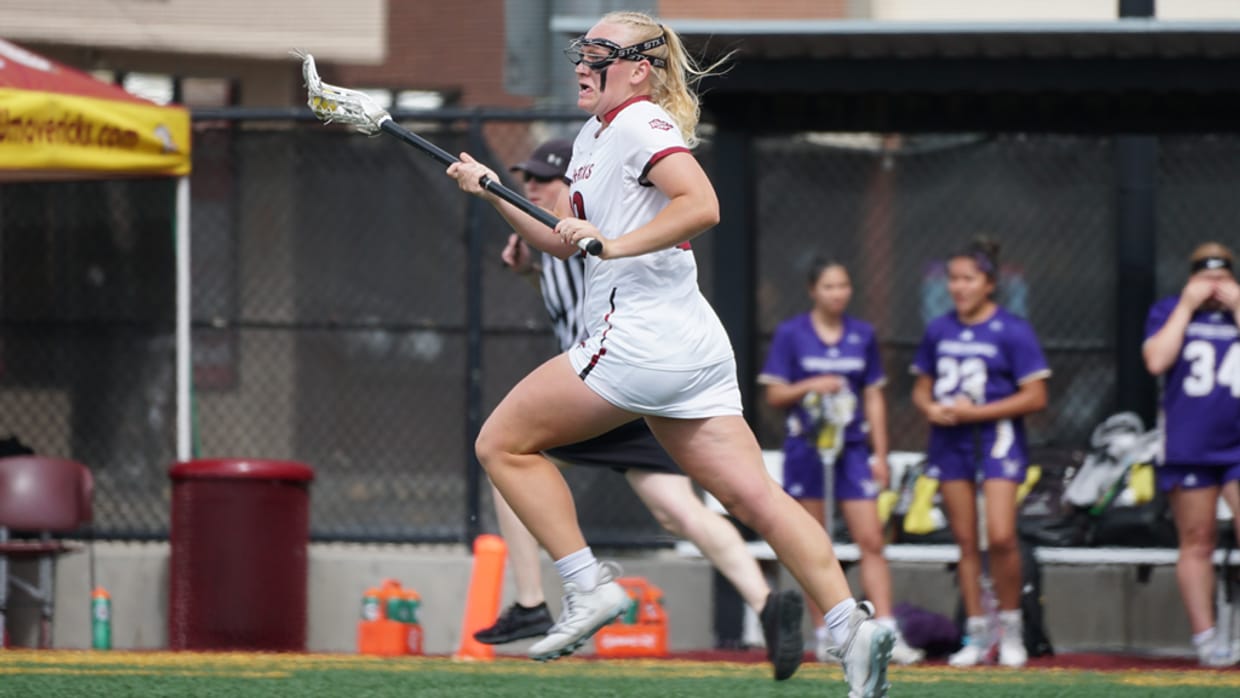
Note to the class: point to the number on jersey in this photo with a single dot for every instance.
(1202, 376)
(960, 376)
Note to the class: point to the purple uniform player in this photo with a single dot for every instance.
(983, 363)
(979, 372)
(823, 368)
(1191, 342)
(1200, 399)
(814, 425)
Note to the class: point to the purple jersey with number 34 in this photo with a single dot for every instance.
(1201, 390)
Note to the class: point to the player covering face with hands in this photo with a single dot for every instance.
(1193, 344)
(655, 347)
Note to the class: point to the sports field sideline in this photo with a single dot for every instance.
(29, 673)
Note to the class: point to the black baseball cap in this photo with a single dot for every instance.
(548, 161)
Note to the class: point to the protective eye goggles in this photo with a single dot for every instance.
(1207, 263)
(597, 54)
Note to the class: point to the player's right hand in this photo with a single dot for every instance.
(826, 384)
(469, 173)
(1196, 291)
(942, 414)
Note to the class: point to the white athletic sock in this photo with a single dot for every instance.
(1203, 638)
(977, 628)
(888, 622)
(837, 620)
(580, 568)
(821, 634)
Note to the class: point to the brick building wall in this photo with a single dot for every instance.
(750, 9)
(437, 46)
(441, 46)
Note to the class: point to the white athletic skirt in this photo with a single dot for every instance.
(709, 391)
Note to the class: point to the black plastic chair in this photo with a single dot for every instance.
(39, 496)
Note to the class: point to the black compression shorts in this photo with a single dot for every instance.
(629, 446)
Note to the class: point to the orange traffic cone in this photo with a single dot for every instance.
(482, 605)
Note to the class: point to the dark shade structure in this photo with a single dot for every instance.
(239, 532)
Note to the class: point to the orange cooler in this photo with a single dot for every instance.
(389, 625)
(639, 632)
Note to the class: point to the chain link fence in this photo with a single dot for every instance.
(350, 310)
(893, 209)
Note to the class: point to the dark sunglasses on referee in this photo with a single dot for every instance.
(527, 178)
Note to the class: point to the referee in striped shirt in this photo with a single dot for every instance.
(562, 281)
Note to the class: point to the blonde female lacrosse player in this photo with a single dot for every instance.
(631, 450)
(655, 347)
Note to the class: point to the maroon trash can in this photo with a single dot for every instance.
(238, 567)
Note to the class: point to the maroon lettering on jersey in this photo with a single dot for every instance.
(583, 172)
(661, 125)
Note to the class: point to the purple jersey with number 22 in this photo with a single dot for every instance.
(984, 362)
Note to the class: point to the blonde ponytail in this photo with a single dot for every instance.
(673, 87)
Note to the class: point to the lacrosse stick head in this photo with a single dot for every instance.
(340, 105)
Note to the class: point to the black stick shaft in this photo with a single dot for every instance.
(389, 126)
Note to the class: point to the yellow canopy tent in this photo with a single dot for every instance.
(60, 123)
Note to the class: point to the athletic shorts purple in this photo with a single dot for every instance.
(962, 464)
(1192, 477)
(803, 472)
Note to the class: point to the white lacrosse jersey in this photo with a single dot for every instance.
(646, 310)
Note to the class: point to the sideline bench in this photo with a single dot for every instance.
(1142, 560)
(947, 554)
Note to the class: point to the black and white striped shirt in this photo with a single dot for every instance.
(563, 292)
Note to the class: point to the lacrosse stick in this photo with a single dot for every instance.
(334, 104)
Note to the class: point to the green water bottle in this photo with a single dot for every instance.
(630, 612)
(100, 619)
(370, 605)
(412, 601)
(395, 608)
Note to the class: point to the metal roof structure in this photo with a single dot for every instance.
(1132, 74)
(866, 39)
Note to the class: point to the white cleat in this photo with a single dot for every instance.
(969, 655)
(866, 654)
(977, 645)
(1012, 652)
(904, 654)
(584, 612)
(1218, 655)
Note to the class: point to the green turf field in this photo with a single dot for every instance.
(28, 673)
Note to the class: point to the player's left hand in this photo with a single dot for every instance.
(571, 230)
(962, 407)
(1227, 292)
